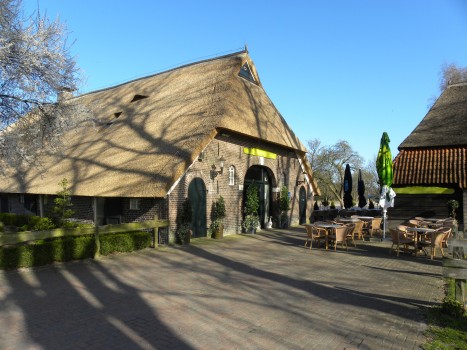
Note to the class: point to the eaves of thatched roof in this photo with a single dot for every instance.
(141, 136)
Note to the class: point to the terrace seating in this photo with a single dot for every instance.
(375, 226)
(350, 234)
(359, 229)
(339, 235)
(437, 239)
(399, 238)
(314, 234)
(413, 223)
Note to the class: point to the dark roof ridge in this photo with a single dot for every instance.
(460, 83)
(245, 50)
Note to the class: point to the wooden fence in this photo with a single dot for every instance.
(30, 236)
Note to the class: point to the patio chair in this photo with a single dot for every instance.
(437, 239)
(375, 226)
(350, 233)
(339, 235)
(413, 223)
(399, 239)
(402, 228)
(359, 229)
(314, 234)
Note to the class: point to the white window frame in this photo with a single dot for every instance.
(231, 175)
(135, 203)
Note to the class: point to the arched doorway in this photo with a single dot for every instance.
(197, 198)
(302, 205)
(262, 176)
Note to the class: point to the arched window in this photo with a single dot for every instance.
(231, 175)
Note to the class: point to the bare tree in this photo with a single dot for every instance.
(35, 67)
(452, 74)
(328, 164)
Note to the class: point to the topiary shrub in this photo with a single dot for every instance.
(43, 224)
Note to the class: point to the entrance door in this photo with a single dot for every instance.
(302, 205)
(260, 176)
(197, 198)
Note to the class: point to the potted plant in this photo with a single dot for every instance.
(284, 206)
(251, 221)
(184, 222)
(217, 217)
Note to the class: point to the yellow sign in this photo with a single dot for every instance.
(259, 152)
(423, 190)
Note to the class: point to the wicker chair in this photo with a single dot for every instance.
(413, 223)
(435, 240)
(350, 234)
(339, 235)
(314, 233)
(375, 226)
(359, 229)
(399, 239)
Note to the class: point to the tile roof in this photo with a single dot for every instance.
(431, 166)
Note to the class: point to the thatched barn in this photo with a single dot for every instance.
(148, 144)
(431, 167)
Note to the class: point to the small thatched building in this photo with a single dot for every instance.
(431, 167)
(150, 143)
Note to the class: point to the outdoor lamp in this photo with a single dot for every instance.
(215, 172)
(299, 182)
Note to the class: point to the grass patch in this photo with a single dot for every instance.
(447, 323)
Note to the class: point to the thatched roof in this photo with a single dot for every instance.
(445, 123)
(435, 153)
(142, 135)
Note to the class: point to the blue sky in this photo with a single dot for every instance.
(334, 69)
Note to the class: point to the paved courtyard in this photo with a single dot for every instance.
(263, 291)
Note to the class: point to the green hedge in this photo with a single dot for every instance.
(23, 221)
(70, 248)
(124, 242)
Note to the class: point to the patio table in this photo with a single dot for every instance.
(418, 232)
(327, 227)
(365, 218)
(349, 220)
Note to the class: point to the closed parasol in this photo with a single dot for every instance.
(348, 202)
(361, 190)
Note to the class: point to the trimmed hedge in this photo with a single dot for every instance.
(70, 248)
(124, 242)
(19, 220)
(46, 252)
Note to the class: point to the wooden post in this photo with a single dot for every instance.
(155, 232)
(456, 268)
(97, 243)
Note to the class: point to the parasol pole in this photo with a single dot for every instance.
(384, 223)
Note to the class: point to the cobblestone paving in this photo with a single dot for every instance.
(263, 291)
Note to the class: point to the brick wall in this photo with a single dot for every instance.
(149, 208)
(230, 147)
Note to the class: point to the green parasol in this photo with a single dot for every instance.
(386, 176)
(384, 162)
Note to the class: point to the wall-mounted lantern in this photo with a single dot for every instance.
(214, 171)
(299, 182)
